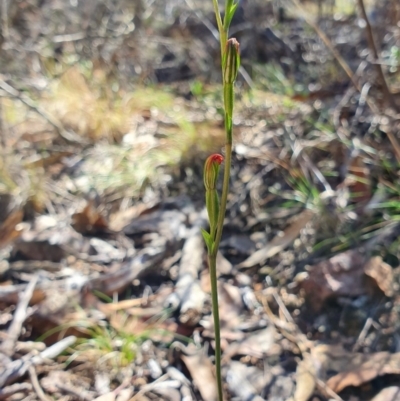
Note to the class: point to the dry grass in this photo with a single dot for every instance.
(132, 136)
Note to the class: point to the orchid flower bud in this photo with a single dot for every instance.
(231, 61)
(211, 170)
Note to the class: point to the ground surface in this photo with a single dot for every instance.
(108, 111)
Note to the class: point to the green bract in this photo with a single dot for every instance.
(211, 170)
(231, 61)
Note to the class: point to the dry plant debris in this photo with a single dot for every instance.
(346, 274)
(107, 112)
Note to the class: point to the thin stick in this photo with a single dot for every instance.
(19, 317)
(68, 136)
(363, 334)
(35, 383)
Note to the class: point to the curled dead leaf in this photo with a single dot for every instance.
(345, 275)
(377, 364)
(381, 273)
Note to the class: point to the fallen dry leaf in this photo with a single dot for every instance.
(242, 381)
(121, 218)
(377, 364)
(354, 369)
(124, 394)
(8, 230)
(315, 364)
(256, 344)
(305, 379)
(345, 275)
(388, 394)
(89, 221)
(382, 273)
(106, 397)
(342, 274)
(230, 305)
(201, 370)
(116, 395)
(279, 242)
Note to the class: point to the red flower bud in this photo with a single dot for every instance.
(211, 170)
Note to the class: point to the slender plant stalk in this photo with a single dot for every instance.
(212, 261)
(216, 209)
(224, 197)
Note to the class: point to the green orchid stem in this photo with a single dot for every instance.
(224, 197)
(216, 230)
(212, 261)
(212, 256)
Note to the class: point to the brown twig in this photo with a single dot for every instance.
(372, 47)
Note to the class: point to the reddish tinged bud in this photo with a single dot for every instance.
(211, 170)
(231, 61)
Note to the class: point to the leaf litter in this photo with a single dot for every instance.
(104, 290)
